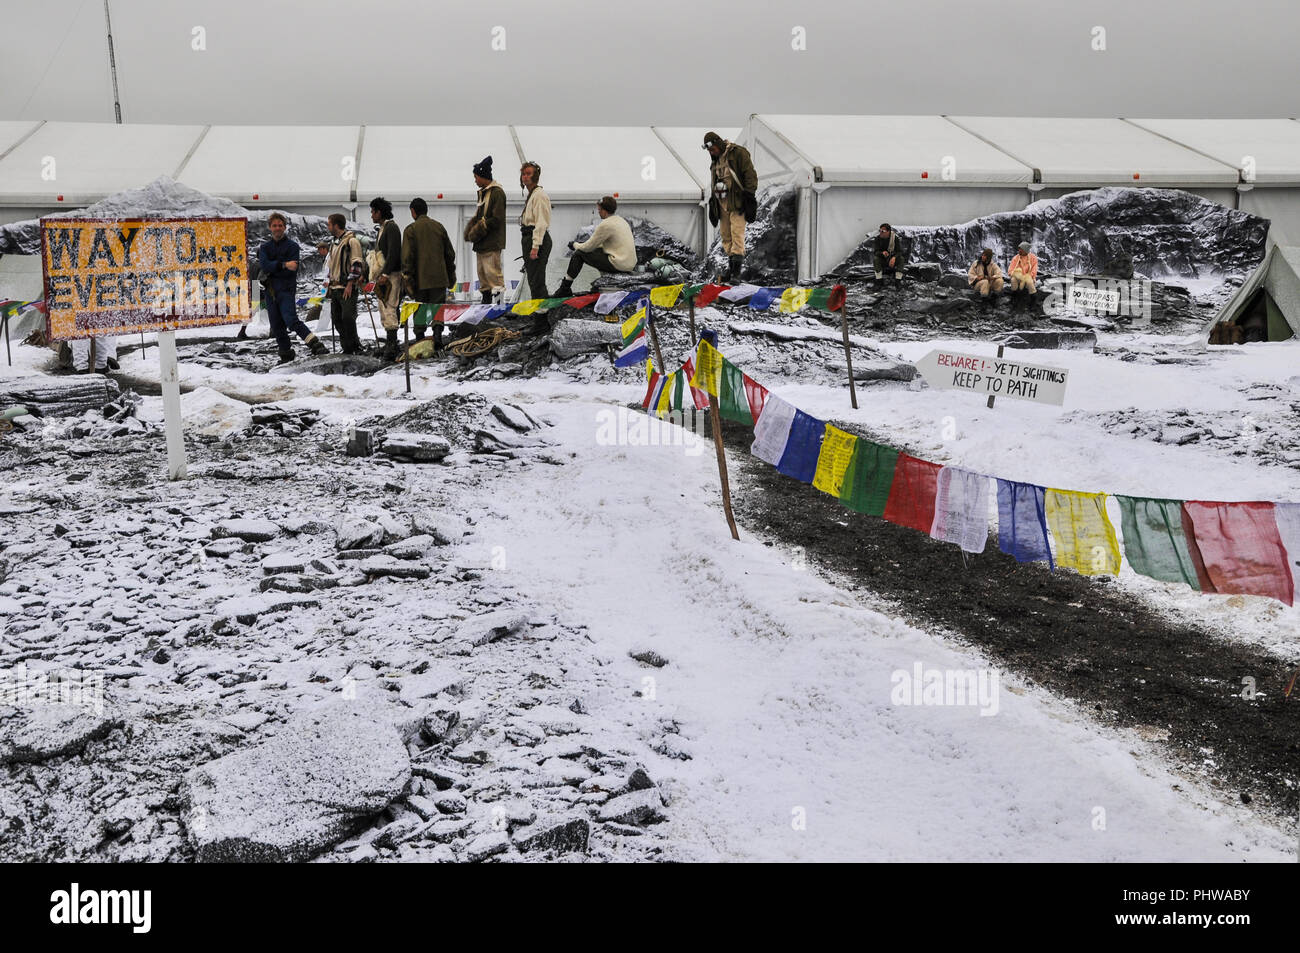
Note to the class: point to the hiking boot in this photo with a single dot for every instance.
(565, 290)
(285, 356)
(486, 296)
(733, 272)
(391, 350)
(317, 347)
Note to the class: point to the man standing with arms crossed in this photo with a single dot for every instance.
(487, 232)
(535, 229)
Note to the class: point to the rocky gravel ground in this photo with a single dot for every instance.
(299, 654)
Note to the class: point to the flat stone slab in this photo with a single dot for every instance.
(317, 781)
(573, 336)
(252, 531)
(385, 565)
(45, 730)
(1053, 340)
(421, 447)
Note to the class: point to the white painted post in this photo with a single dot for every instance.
(171, 394)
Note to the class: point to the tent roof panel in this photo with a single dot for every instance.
(11, 130)
(401, 162)
(1094, 152)
(1273, 143)
(277, 163)
(688, 142)
(91, 160)
(586, 162)
(866, 149)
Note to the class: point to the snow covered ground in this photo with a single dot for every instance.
(767, 715)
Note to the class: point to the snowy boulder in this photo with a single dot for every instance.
(490, 626)
(355, 533)
(487, 845)
(445, 530)
(319, 779)
(412, 548)
(248, 609)
(573, 336)
(352, 365)
(1071, 340)
(48, 730)
(282, 562)
(514, 417)
(561, 835)
(385, 565)
(251, 531)
(420, 447)
(638, 807)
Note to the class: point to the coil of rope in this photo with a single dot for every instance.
(5, 426)
(482, 342)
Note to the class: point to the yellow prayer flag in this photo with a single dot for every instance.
(666, 296)
(408, 308)
(833, 461)
(666, 395)
(649, 369)
(628, 326)
(1085, 538)
(793, 299)
(527, 307)
(708, 369)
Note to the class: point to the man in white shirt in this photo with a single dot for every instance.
(610, 248)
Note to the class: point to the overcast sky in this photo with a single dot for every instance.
(631, 62)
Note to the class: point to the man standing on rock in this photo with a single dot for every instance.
(428, 264)
(344, 266)
(1023, 272)
(985, 276)
(277, 262)
(610, 248)
(886, 255)
(733, 198)
(487, 232)
(535, 229)
(387, 262)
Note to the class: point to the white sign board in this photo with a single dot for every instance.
(994, 376)
(1093, 300)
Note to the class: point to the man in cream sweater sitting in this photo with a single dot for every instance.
(610, 247)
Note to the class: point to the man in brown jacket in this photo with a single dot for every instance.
(428, 264)
(387, 272)
(487, 232)
(344, 266)
(733, 197)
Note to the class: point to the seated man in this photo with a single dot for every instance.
(886, 255)
(1023, 271)
(610, 248)
(985, 276)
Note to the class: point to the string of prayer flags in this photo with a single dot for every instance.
(665, 296)
(911, 495)
(869, 476)
(961, 509)
(1022, 522)
(802, 447)
(773, 429)
(1240, 549)
(1154, 541)
(1085, 538)
(833, 462)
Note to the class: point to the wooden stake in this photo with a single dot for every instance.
(691, 302)
(715, 416)
(991, 395)
(848, 353)
(7, 352)
(406, 336)
(654, 336)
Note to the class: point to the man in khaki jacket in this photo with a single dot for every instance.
(386, 272)
(610, 248)
(428, 265)
(733, 197)
(344, 267)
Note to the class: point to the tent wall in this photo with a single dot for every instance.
(1280, 205)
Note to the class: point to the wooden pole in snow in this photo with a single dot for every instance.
(848, 351)
(715, 421)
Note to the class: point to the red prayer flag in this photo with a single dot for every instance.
(911, 495)
(756, 394)
(581, 301)
(708, 294)
(701, 397)
(1237, 549)
(650, 389)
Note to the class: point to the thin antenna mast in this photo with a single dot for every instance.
(112, 64)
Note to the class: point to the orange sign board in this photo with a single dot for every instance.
(116, 276)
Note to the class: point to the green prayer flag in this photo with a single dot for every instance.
(1154, 541)
(869, 476)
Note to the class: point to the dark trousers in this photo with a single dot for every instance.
(535, 270)
(597, 259)
(343, 312)
(428, 296)
(283, 314)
